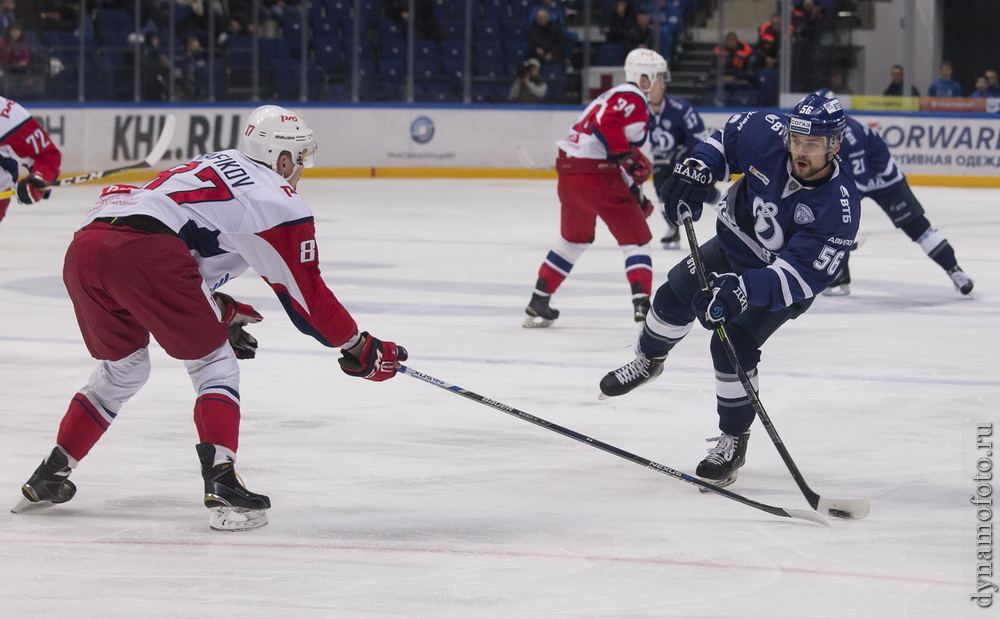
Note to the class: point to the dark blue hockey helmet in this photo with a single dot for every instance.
(817, 115)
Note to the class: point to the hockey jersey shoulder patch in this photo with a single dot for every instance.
(803, 214)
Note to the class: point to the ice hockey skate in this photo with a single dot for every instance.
(635, 373)
(721, 466)
(641, 305)
(539, 313)
(841, 285)
(233, 507)
(672, 239)
(48, 485)
(963, 283)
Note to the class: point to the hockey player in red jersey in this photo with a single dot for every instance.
(25, 148)
(601, 171)
(149, 261)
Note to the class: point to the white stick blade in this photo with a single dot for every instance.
(163, 142)
(806, 514)
(848, 509)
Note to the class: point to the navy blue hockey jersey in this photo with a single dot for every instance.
(675, 131)
(867, 156)
(792, 236)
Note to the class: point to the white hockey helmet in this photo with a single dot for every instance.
(641, 61)
(271, 130)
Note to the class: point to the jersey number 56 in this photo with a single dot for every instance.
(829, 260)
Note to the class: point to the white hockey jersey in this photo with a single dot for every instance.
(236, 214)
(610, 125)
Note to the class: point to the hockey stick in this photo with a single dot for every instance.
(799, 514)
(154, 156)
(838, 508)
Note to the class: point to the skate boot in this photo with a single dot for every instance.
(672, 239)
(48, 485)
(723, 461)
(639, 371)
(641, 304)
(963, 283)
(539, 313)
(233, 507)
(840, 286)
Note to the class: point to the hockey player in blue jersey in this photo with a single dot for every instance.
(675, 128)
(782, 230)
(878, 177)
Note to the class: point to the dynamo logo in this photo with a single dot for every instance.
(422, 130)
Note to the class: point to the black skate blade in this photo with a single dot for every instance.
(25, 506)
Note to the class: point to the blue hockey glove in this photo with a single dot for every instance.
(725, 299)
(688, 185)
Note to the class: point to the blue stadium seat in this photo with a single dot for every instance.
(610, 54)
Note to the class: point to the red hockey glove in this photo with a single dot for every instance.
(32, 188)
(237, 315)
(644, 204)
(372, 358)
(637, 165)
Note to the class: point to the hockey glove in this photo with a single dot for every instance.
(685, 189)
(637, 165)
(32, 188)
(725, 299)
(237, 315)
(372, 358)
(644, 204)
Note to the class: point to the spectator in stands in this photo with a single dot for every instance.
(808, 18)
(546, 39)
(528, 86)
(838, 83)
(944, 86)
(641, 34)
(14, 52)
(551, 7)
(895, 87)
(768, 43)
(734, 55)
(992, 84)
(7, 16)
(425, 23)
(622, 20)
(58, 16)
(15, 62)
(195, 59)
(154, 69)
(982, 90)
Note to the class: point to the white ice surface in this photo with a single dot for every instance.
(401, 499)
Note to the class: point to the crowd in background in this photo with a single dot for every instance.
(526, 51)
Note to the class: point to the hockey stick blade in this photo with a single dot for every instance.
(849, 509)
(611, 449)
(154, 156)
